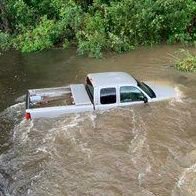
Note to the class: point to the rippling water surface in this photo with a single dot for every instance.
(145, 150)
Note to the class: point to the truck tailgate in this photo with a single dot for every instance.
(80, 95)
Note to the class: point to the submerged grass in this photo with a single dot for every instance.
(185, 61)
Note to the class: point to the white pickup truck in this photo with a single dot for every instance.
(101, 91)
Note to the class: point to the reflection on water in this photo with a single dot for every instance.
(142, 150)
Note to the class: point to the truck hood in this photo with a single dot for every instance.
(162, 91)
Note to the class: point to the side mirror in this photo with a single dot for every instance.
(145, 99)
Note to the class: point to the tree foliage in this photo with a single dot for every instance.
(94, 26)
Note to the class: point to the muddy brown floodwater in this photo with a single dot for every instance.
(145, 150)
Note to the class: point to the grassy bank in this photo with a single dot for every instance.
(95, 26)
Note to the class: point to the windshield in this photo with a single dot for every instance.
(146, 89)
(90, 89)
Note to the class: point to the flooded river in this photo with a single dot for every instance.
(145, 150)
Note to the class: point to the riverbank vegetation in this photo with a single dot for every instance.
(95, 25)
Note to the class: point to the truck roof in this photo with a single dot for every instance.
(111, 78)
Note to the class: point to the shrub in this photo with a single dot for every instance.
(92, 37)
(5, 41)
(97, 25)
(44, 35)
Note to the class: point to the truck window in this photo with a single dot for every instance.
(146, 89)
(130, 94)
(108, 95)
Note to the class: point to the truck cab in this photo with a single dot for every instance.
(112, 89)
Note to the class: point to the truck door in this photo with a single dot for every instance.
(107, 98)
(130, 95)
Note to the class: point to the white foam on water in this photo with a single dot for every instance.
(140, 134)
(72, 124)
(22, 130)
(145, 192)
(71, 135)
(68, 129)
(137, 143)
(61, 126)
(13, 112)
(140, 178)
(17, 106)
(29, 191)
(142, 174)
(33, 179)
(179, 96)
(182, 178)
(85, 149)
(20, 99)
(136, 146)
(42, 149)
(93, 117)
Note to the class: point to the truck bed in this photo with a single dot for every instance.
(52, 102)
(49, 97)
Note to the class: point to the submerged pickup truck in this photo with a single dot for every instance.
(100, 91)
